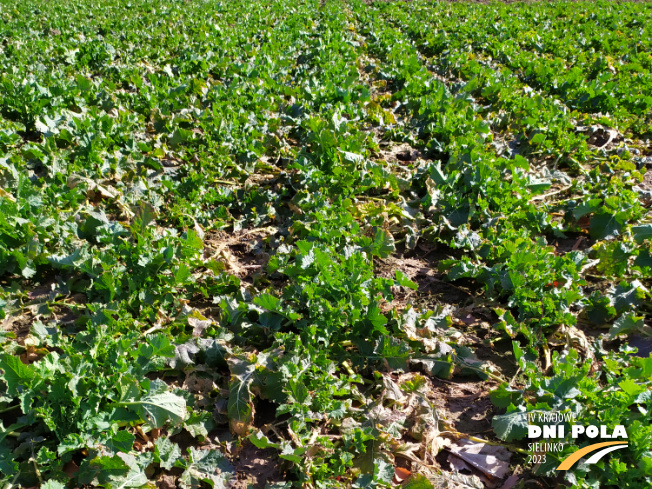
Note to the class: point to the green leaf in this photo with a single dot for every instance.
(143, 216)
(298, 391)
(122, 441)
(158, 407)
(368, 459)
(179, 136)
(267, 301)
(641, 233)
(83, 83)
(625, 324)
(120, 471)
(538, 138)
(627, 296)
(199, 424)
(259, 440)
(73, 260)
(206, 466)
(166, 453)
(631, 388)
(405, 281)
(294, 455)
(383, 244)
(641, 369)
(103, 469)
(437, 174)
(511, 426)
(16, 374)
(418, 481)
(604, 226)
(504, 396)
(537, 186)
(644, 260)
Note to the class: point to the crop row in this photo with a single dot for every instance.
(195, 203)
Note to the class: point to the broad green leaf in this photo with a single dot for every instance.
(627, 296)
(383, 244)
(103, 469)
(405, 281)
(122, 441)
(158, 408)
(206, 466)
(631, 387)
(511, 426)
(16, 374)
(643, 232)
(199, 424)
(166, 453)
(112, 472)
(259, 440)
(267, 301)
(418, 481)
(368, 460)
(504, 396)
(626, 324)
(538, 138)
(604, 226)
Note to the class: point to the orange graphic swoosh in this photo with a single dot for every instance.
(571, 459)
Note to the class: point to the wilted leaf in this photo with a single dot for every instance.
(240, 407)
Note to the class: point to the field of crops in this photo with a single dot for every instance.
(325, 244)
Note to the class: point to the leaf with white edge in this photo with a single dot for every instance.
(198, 323)
(352, 157)
(184, 355)
(384, 471)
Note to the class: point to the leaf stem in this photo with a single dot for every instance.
(512, 448)
(6, 410)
